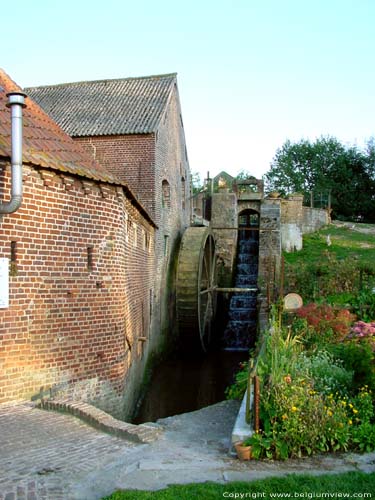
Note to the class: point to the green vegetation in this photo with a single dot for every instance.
(327, 166)
(317, 368)
(335, 273)
(349, 484)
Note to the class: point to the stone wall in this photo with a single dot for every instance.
(314, 219)
(269, 245)
(225, 215)
(296, 220)
(82, 281)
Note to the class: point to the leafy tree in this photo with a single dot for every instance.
(196, 182)
(327, 165)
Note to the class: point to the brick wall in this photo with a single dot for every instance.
(130, 158)
(145, 162)
(171, 167)
(81, 286)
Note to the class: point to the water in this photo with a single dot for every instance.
(185, 384)
(240, 332)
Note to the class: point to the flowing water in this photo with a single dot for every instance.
(240, 332)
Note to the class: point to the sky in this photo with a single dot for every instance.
(251, 73)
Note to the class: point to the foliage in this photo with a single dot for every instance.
(329, 324)
(327, 165)
(238, 388)
(363, 304)
(196, 182)
(352, 483)
(308, 404)
(358, 358)
(328, 373)
(346, 268)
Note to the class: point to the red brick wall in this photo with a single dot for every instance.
(171, 165)
(71, 325)
(144, 162)
(131, 158)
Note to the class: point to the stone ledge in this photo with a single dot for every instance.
(143, 433)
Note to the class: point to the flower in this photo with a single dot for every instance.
(288, 379)
(294, 408)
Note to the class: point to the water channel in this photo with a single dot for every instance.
(185, 384)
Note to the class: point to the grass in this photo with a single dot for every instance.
(345, 244)
(321, 270)
(293, 485)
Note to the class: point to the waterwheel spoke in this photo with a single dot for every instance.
(194, 287)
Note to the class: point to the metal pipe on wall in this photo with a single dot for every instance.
(16, 101)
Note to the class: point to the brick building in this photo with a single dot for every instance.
(134, 128)
(81, 253)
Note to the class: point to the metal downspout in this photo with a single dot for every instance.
(16, 103)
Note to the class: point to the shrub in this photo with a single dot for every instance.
(329, 324)
(328, 374)
(358, 358)
(238, 388)
(297, 420)
(363, 305)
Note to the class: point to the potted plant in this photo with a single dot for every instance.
(243, 449)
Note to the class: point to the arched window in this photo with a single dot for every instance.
(166, 194)
(248, 223)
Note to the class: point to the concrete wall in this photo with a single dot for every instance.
(74, 323)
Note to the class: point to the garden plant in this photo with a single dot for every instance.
(317, 367)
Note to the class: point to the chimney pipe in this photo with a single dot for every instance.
(16, 103)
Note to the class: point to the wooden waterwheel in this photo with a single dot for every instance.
(195, 287)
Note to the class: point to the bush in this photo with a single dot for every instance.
(358, 358)
(238, 388)
(363, 305)
(329, 324)
(297, 421)
(328, 374)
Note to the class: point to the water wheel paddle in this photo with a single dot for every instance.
(195, 287)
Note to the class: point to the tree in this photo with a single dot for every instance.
(196, 182)
(328, 166)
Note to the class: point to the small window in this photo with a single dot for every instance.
(127, 228)
(90, 258)
(166, 194)
(166, 245)
(135, 235)
(183, 193)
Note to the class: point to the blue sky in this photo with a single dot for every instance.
(251, 73)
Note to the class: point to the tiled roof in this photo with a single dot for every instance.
(46, 145)
(107, 107)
